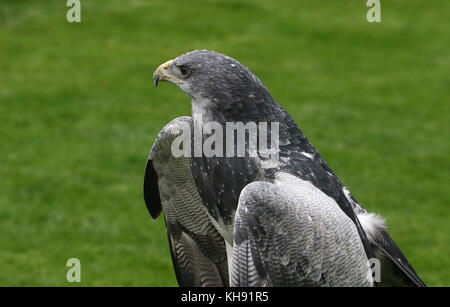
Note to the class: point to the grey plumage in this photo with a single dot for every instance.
(223, 90)
(197, 249)
(289, 233)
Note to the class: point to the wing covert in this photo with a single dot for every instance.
(289, 233)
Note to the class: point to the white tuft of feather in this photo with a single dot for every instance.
(373, 225)
(307, 154)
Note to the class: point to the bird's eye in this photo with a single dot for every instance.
(184, 70)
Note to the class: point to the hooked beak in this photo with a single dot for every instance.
(162, 73)
(156, 79)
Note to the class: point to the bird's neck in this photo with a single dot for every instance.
(247, 109)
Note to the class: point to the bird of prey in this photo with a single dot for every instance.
(236, 220)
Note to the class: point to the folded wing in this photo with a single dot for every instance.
(197, 249)
(289, 233)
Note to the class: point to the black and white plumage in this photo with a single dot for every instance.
(222, 90)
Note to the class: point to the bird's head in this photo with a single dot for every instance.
(206, 75)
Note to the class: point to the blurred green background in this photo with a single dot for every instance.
(78, 114)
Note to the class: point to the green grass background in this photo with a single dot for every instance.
(78, 114)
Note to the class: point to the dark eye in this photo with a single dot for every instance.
(184, 70)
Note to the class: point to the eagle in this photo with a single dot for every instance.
(236, 220)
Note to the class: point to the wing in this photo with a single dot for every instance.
(197, 249)
(289, 233)
(306, 163)
(394, 266)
